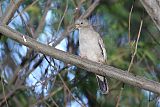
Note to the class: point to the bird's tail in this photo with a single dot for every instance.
(103, 85)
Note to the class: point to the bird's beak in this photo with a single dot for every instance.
(77, 26)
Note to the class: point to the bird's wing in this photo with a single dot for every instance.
(101, 44)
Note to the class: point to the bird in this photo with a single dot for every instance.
(91, 47)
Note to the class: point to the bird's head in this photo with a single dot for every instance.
(81, 23)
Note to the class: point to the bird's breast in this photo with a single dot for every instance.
(89, 47)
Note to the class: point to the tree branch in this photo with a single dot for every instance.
(42, 21)
(88, 65)
(153, 9)
(12, 7)
(90, 9)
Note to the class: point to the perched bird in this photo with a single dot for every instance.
(91, 46)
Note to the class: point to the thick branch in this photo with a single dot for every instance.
(82, 63)
(153, 9)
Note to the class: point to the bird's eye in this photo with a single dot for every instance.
(81, 22)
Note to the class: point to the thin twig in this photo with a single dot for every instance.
(131, 63)
(54, 102)
(63, 15)
(47, 104)
(153, 37)
(129, 42)
(119, 97)
(42, 21)
(26, 9)
(11, 93)
(26, 26)
(45, 98)
(12, 7)
(90, 9)
(129, 26)
(136, 45)
(65, 84)
(5, 98)
(69, 90)
(135, 51)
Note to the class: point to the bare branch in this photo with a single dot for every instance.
(12, 7)
(65, 85)
(65, 11)
(42, 21)
(88, 65)
(133, 56)
(135, 50)
(4, 94)
(129, 26)
(63, 35)
(50, 95)
(24, 10)
(11, 93)
(90, 9)
(153, 9)
(119, 97)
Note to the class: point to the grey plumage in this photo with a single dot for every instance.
(91, 46)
